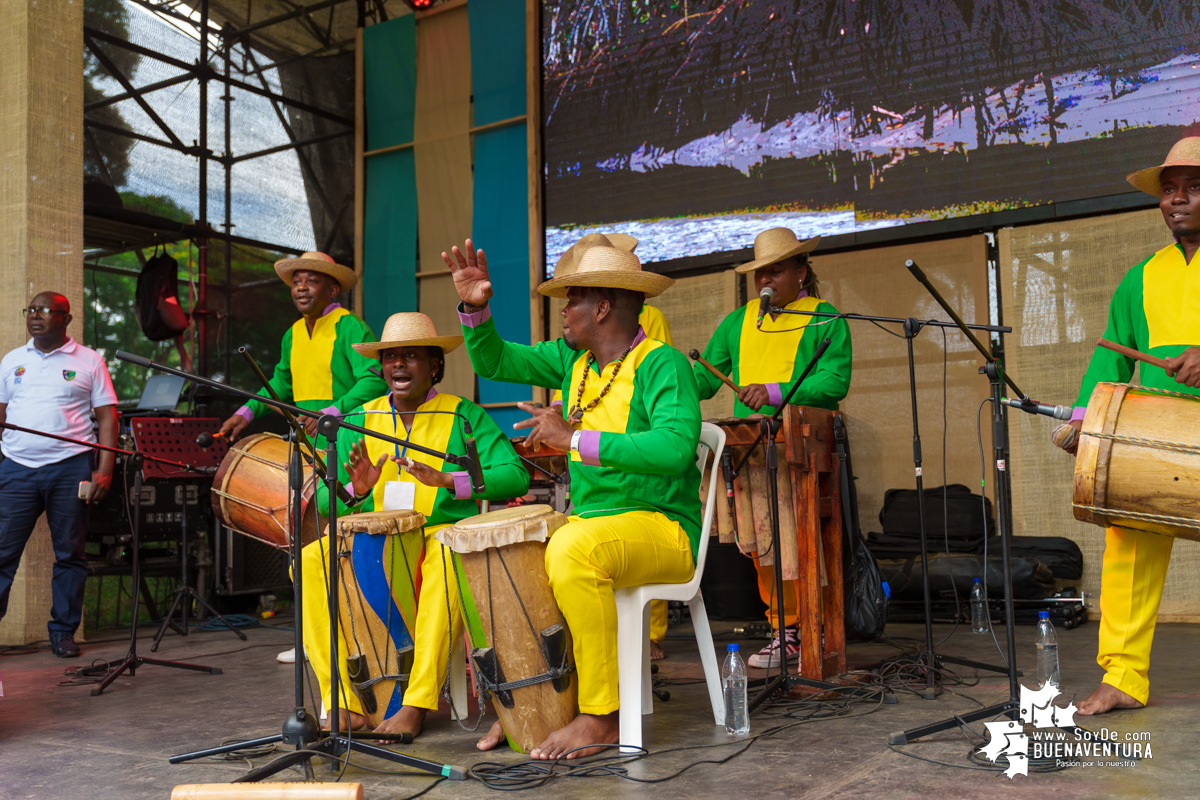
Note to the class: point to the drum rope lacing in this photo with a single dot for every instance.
(1138, 515)
(480, 688)
(1157, 444)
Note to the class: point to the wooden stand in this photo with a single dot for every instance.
(810, 525)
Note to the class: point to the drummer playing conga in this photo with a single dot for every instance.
(1156, 309)
(389, 477)
(631, 421)
(764, 362)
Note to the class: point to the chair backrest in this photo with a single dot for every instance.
(712, 439)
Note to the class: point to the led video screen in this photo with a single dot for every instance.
(695, 124)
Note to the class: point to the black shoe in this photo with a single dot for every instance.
(63, 645)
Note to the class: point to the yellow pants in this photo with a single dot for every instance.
(435, 627)
(1131, 585)
(791, 597)
(586, 560)
(658, 620)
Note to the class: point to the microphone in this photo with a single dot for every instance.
(764, 302)
(205, 470)
(1032, 407)
(474, 468)
(206, 439)
(141, 361)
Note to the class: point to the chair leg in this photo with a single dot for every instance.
(708, 657)
(458, 681)
(631, 636)
(647, 679)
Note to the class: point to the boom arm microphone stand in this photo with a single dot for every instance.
(298, 729)
(132, 660)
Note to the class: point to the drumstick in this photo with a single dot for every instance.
(1129, 352)
(695, 354)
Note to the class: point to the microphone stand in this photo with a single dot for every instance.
(299, 728)
(912, 328)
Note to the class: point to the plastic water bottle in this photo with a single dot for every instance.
(1047, 651)
(733, 682)
(979, 615)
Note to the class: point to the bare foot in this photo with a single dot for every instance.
(585, 729)
(1106, 698)
(407, 720)
(656, 651)
(357, 721)
(492, 738)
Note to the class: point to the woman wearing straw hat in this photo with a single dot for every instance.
(318, 368)
(389, 477)
(764, 357)
(654, 325)
(1156, 309)
(631, 421)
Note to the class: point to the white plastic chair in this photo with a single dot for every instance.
(633, 618)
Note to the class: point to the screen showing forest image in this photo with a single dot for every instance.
(695, 124)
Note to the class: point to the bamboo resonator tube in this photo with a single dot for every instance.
(695, 355)
(1129, 352)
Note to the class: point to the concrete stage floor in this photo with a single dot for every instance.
(60, 742)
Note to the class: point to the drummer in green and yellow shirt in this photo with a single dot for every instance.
(654, 325)
(764, 358)
(318, 368)
(631, 422)
(1156, 309)
(386, 477)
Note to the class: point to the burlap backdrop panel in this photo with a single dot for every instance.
(442, 159)
(878, 409)
(1057, 281)
(693, 307)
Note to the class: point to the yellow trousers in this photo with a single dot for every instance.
(1131, 585)
(587, 560)
(791, 598)
(658, 620)
(436, 626)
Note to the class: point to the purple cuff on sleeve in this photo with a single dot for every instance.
(1078, 413)
(774, 395)
(557, 402)
(589, 448)
(332, 411)
(476, 319)
(245, 413)
(462, 485)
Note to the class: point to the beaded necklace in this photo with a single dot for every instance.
(577, 412)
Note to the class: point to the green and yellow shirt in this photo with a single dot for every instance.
(638, 446)
(1156, 310)
(321, 371)
(777, 354)
(503, 476)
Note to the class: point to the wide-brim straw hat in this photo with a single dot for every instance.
(774, 245)
(408, 329)
(1184, 153)
(608, 268)
(317, 262)
(569, 260)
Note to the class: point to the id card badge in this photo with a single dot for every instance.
(399, 496)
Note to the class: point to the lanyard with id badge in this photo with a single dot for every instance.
(399, 495)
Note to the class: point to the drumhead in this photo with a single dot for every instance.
(505, 526)
(382, 522)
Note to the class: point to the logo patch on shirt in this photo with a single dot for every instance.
(69, 374)
(20, 371)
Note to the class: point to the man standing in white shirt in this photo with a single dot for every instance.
(53, 384)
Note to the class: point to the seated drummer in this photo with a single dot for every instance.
(654, 325)
(631, 423)
(764, 363)
(413, 359)
(1154, 310)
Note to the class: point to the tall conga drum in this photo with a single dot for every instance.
(379, 556)
(526, 662)
(1138, 462)
(250, 492)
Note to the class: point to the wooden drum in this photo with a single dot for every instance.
(528, 643)
(1138, 463)
(379, 561)
(810, 523)
(250, 492)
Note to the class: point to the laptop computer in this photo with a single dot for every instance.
(161, 393)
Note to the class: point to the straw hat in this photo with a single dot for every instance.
(408, 329)
(570, 259)
(774, 245)
(608, 268)
(1184, 153)
(317, 262)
